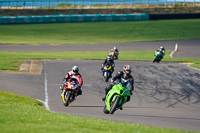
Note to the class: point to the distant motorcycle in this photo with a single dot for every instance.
(107, 72)
(158, 56)
(70, 91)
(114, 55)
(116, 97)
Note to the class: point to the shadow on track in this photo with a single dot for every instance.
(160, 117)
(87, 106)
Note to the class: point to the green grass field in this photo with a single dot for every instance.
(21, 114)
(100, 32)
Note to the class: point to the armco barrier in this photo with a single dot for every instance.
(73, 18)
(174, 16)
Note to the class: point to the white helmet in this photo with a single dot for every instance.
(109, 58)
(161, 47)
(115, 47)
(75, 69)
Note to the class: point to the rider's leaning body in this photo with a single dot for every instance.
(162, 49)
(114, 52)
(125, 74)
(74, 74)
(109, 61)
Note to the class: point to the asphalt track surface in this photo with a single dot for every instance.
(166, 94)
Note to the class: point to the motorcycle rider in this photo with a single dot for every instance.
(125, 74)
(109, 61)
(71, 74)
(114, 52)
(162, 50)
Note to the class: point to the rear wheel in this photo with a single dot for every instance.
(158, 60)
(114, 105)
(67, 98)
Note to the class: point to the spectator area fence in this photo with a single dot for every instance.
(96, 4)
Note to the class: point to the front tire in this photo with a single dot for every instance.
(106, 76)
(67, 98)
(114, 105)
(105, 110)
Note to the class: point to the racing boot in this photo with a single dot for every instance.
(103, 98)
(79, 92)
(106, 92)
(61, 88)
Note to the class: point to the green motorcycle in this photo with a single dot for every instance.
(158, 56)
(116, 97)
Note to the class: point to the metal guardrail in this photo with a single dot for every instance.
(96, 4)
(73, 18)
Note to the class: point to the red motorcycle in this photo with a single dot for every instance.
(70, 91)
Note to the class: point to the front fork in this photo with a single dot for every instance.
(63, 95)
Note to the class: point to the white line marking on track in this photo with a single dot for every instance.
(190, 66)
(45, 86)
(171, 55)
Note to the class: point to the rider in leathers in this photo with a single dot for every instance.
(125, 74)
(162, 50)
(114, 53)
(74, 73)
(110, 61)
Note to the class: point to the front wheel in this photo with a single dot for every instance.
(67, 98)
(114, 105)
(105, 110)
(106, 76)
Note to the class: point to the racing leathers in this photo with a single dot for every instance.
(110, 62)
(78, 76)
(114, 53)
(162, 51)
(118, 76)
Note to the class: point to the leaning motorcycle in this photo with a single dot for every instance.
(114, 55)
(116, 97)
(157, 56)
(70, 91)
(107, 72)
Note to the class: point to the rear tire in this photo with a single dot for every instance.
(67, 98)
(114, 105)
(158, 60)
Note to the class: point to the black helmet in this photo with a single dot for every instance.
(75, 69)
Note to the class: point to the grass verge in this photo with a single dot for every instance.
(11, 60)
(100, 32)
(26, 115)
